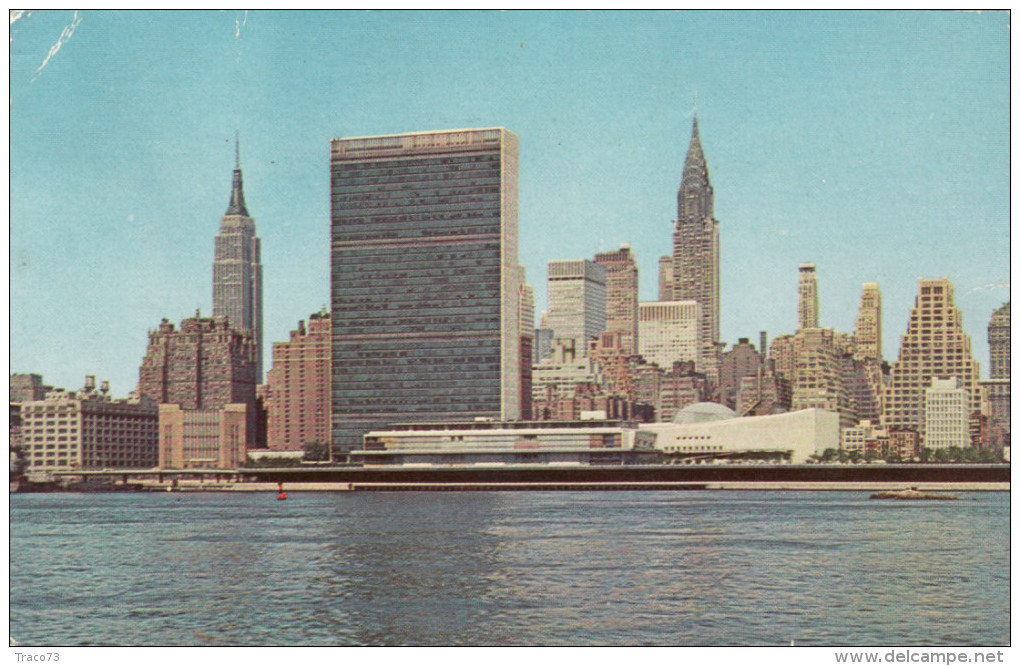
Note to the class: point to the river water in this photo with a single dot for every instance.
(508, 568)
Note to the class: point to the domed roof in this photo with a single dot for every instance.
(703, 412)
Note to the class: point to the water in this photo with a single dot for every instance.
(504, 568)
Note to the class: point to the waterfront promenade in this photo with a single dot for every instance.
(537, 477)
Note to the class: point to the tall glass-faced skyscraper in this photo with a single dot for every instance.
(237, 269)
(425, 282)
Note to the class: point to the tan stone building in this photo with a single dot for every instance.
(195, 438)
(807, 297)
(205, 367)
(868, 327)
(933, 346)
(621, 296)
(88, 430)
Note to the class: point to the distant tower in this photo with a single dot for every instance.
(807, 301)
(934, 346)
(666, 278)
(621, 296)
(997, 387)
(577, 301)
(998, 343)
(237, 268)
(868, 329)
(696, 248)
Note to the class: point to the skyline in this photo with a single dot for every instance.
(893, 124)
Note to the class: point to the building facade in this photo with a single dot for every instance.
(946, 419)
(299, 386)
(711, 430)
(425, 282)
(28, 387)
(576, 301)
(203, 438)
(997, 387)
(741, 361)
(621, 295)
(205, 367)
(934, 346)
(670, 332)
(807, 297)
(666, 278)
(696, 249)
(237, 269)
(868, 326)
(87, 430)
(581, 442)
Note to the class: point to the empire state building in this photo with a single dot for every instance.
(696, 249)
(237, 269)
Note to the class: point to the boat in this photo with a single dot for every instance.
(911, 494)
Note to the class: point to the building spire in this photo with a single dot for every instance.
(237, 206)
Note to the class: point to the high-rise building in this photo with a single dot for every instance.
(997, 386)
(666, 278)
(868, 328)
(696, 249)
(820, 375)
(237, 269)
(946, 419)
(670, 332)
(300, 383)
(998, 343)
(743, 360)
(807, 300)
(621, 296)
(425, 281)
(577, 301)
(934, 346)
(527, 314)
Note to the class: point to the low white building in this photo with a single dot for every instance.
(713, 430)
(584, 442)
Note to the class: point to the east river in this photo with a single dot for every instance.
(508, 568)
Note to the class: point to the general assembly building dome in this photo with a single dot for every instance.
(703, 412)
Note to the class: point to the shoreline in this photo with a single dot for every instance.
(821, 486)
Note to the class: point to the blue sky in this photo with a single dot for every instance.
(874, 144)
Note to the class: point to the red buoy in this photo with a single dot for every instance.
(281, 496)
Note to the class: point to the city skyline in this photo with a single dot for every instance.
(874, 145)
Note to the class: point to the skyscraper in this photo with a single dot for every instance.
(998, 343)
(621, 296)
(868, 328)
(666, 278)
(807, 297)
(670, 332)
(934, 346)
(237, 268)
(425, 280)
(997, 387)
(577, 301)
(696, 248)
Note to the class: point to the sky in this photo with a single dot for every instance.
(873, 144)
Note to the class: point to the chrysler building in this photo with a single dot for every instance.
(696, 249)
